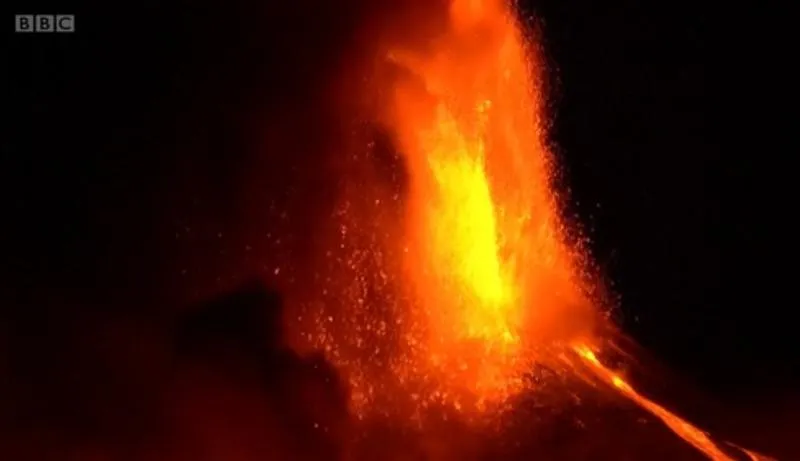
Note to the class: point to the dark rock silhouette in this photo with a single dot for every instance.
(248, 319)
(253, 394)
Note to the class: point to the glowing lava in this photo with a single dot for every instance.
(493, 278)
(453, 300)
(682, 428)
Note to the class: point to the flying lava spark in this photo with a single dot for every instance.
(451, 289)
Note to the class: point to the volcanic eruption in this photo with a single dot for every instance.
(451, 287)
(385, 171)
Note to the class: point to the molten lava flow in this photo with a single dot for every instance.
(752, 455)
(682, 428)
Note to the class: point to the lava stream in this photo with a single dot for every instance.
(681, 427)
(685, 430)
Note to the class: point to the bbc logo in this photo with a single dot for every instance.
(44, 23)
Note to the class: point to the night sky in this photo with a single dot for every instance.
(129, 192)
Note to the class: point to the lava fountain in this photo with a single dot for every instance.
(448, 291)
(494, 280)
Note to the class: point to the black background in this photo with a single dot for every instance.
(125, 191)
